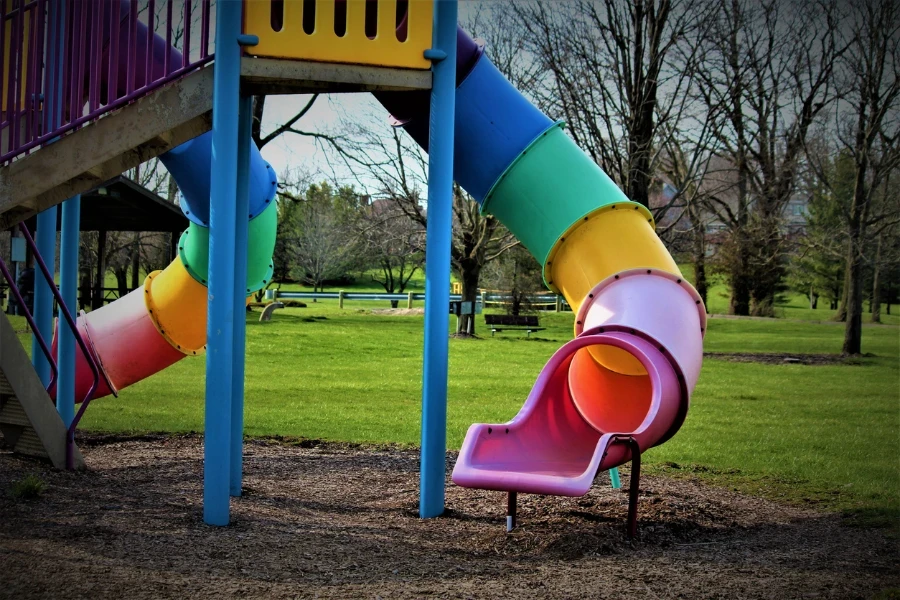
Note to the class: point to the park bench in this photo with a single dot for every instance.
(500, 322)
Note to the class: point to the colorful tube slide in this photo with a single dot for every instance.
(157, 325)
(639, 327)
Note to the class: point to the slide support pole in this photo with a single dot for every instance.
(68, 289)
(222, 258)
(242, 208)
(43, 297)
(614, 480)
(437, 261)
(46, 220)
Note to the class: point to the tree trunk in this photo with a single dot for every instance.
(853, 330)
(469, 274)
(172, 191)
(876, 284)
(841, 315)
(699, 249)
(97, 300)
(741, 284)
(135, 261)
(122, 281)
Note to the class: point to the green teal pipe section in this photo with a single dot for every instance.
(530, 201)
(193, 250)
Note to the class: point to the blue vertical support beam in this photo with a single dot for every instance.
(437, 260)
(43, 297)
(68, 288)
(245, 121)
(46, 220)
(222, 254)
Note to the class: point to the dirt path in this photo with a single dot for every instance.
(339, 522)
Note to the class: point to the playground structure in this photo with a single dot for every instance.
(620, 387)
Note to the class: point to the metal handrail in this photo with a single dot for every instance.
(40, 104)
(20, 301)
(73, 325)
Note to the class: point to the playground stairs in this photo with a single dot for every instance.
(29, 422)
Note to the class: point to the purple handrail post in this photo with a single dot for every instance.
(132, 48)
(15, 65)
(186, 51)
(20, 301)
(148, 65)
(89, 357)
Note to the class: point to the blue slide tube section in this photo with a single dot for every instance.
(494, 121)
(190, 165)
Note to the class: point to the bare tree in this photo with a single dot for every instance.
(392, 243)
(619, 73)
(387, 161)
(768, 68)
(316, 232)
(868, 126)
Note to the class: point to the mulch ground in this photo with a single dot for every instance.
(333, 521)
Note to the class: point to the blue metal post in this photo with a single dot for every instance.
(437, 261)
(245, 121)
(43, 297)
(46, 221)
(220, 312)
(68, 288)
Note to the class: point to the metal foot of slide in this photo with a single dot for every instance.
(634, 487)
(511, 498)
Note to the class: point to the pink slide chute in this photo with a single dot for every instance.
(582, 417)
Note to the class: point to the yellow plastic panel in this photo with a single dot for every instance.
(610, 240)
(177, 304)
(324, 45)
(8, 54)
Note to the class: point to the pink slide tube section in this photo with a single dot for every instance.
(122, 333)
(659, 306)
(549, 447)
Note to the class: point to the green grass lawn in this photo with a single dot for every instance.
(825, 434)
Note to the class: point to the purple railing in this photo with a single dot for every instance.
(73, 325)
(20, 301)
(112, 52)
(67, 315)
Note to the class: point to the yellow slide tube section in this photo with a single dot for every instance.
(177, 304)
(610, 240)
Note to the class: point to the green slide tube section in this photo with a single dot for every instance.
(548, 188)
(193, 249)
